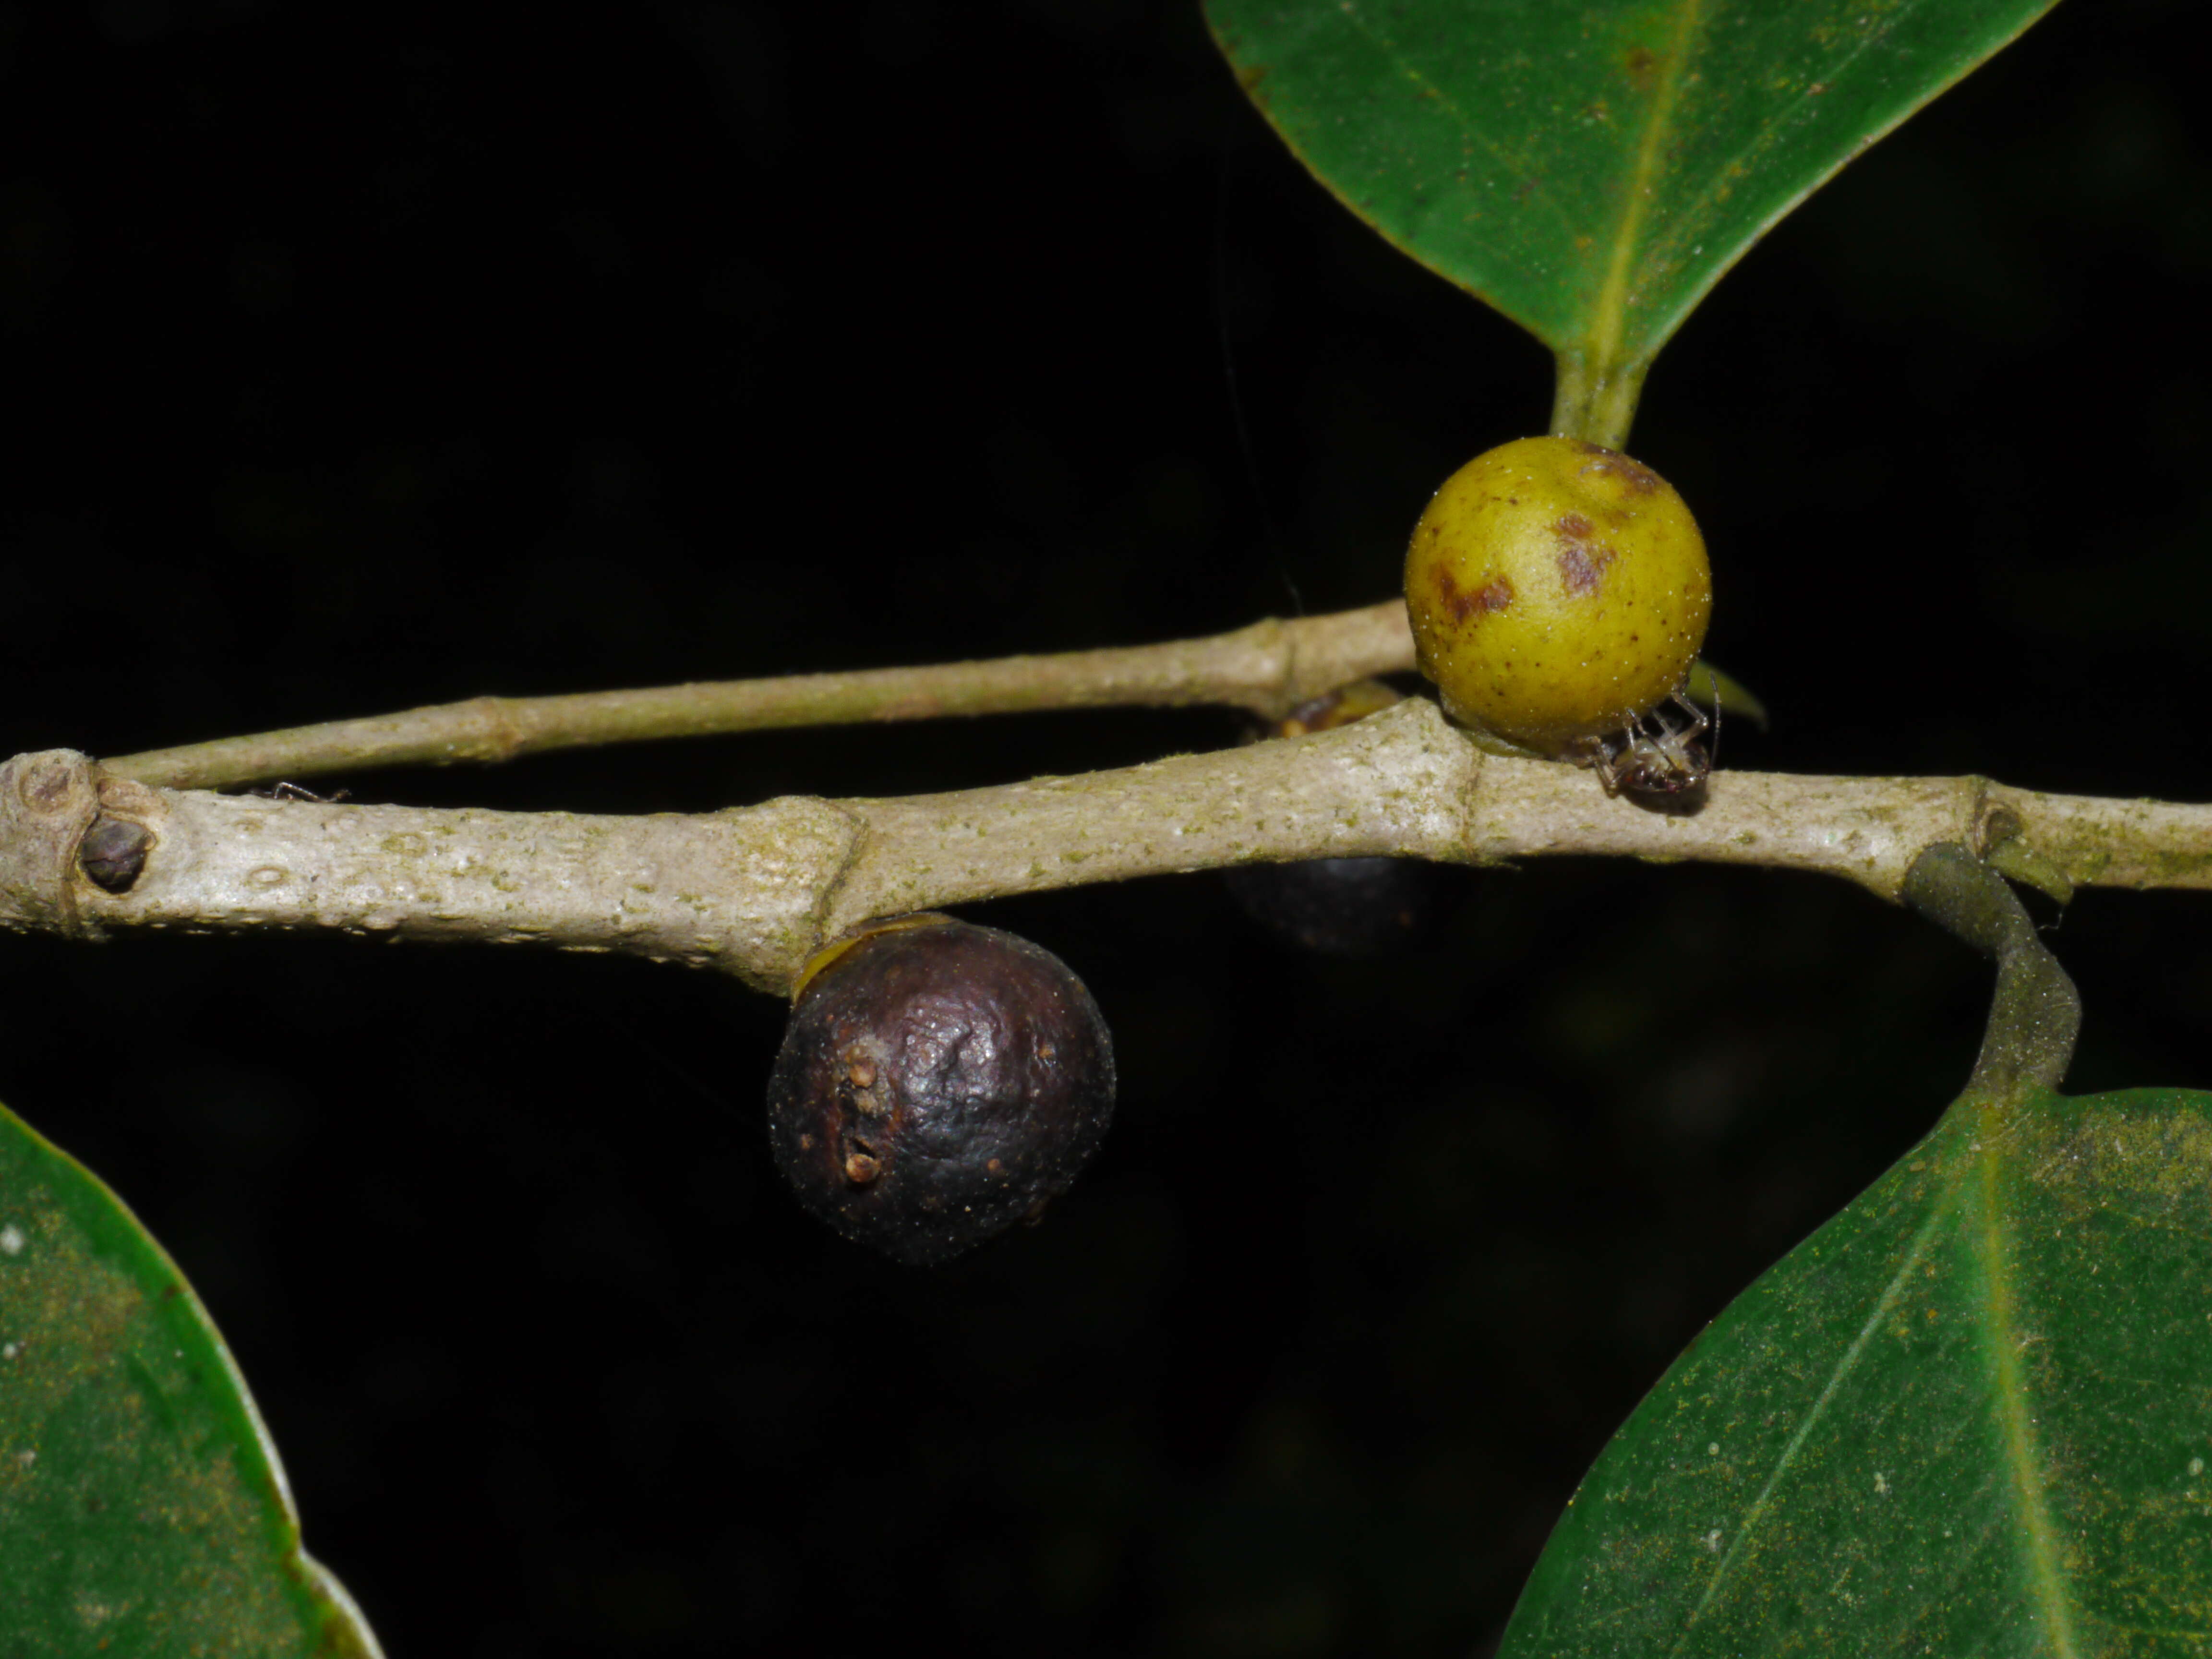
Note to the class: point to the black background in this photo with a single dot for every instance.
(363, 357)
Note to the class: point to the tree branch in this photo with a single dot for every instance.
(754, 889)
(1268, 668)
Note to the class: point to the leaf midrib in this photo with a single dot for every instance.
(2002, 1343)
(1972, 1198)
(1610, 321)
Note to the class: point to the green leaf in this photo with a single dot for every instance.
(142, 1510)
(1710, 688)
(1591, 169)
(1973, 1414)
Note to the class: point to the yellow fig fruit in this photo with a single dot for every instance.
(1559, 592)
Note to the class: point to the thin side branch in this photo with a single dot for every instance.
(1268, 668)
(755, 890)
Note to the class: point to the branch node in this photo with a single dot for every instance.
(48, 800)
(503, 737)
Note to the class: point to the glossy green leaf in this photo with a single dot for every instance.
(1971, 1415)
(142, 1510)
(1591, 169)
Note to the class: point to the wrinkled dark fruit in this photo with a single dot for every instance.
(1340, 907)
(936, 1085)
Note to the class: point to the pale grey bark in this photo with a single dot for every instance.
(1266, 669)
(754, 891)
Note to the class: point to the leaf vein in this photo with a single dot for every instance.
(1520, 165)
(1890, 1293)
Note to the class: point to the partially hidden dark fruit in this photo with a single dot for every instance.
(1338, 907)
(937, 1083)
(1361, 907)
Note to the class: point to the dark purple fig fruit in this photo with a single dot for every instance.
(1338, 907)
(937, 1083)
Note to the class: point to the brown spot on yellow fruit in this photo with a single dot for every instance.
(1466, 606)
(1582, 559)
(1634, 477)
